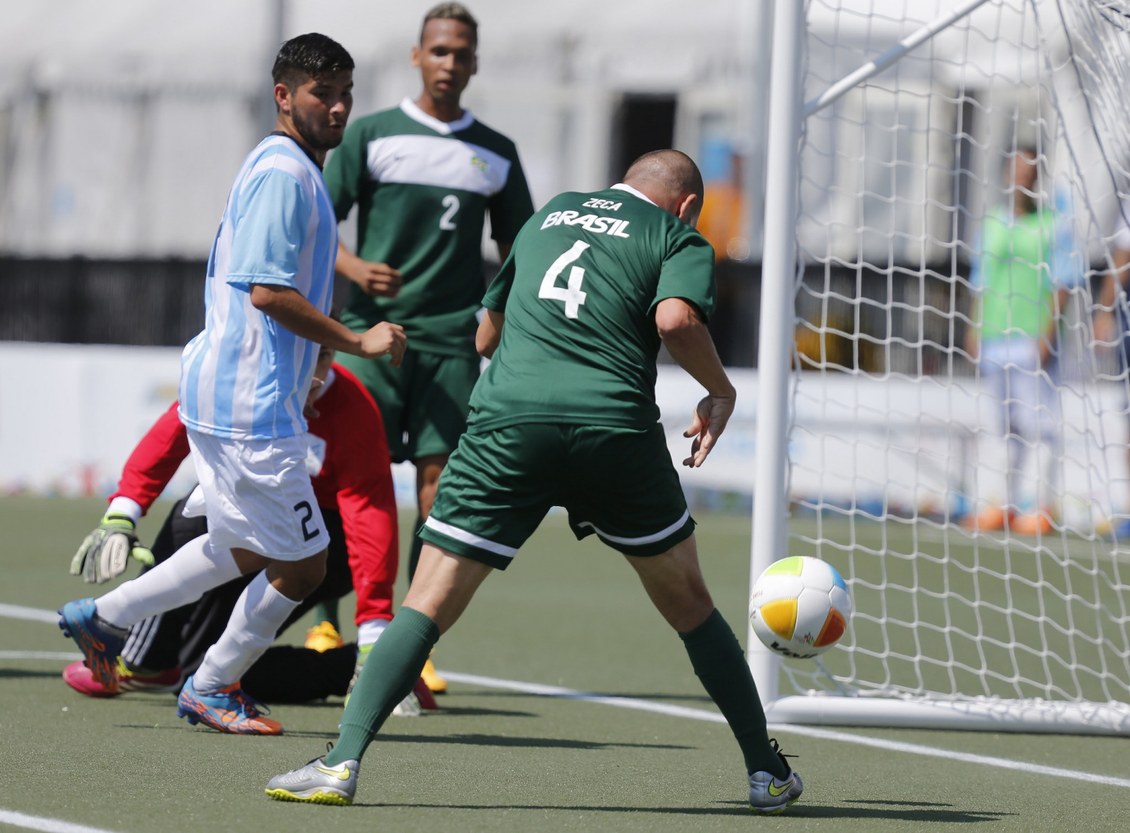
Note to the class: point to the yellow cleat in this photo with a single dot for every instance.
(323, 637)
(435, 683)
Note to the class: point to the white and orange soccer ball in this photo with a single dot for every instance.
(800, 607)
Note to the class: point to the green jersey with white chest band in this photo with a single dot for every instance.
(423, 188)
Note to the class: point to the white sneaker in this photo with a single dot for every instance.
(408, 707)
(316, 783)
(769, 794)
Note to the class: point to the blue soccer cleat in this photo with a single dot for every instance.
(227, 710)
(99, 641)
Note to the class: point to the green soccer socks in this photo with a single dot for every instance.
(390, 672)
(720, 664)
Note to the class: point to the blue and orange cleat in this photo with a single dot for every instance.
(99, 641)
(228, 710)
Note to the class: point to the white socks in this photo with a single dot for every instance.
(259, 613)
(187, 575)
(370, 631)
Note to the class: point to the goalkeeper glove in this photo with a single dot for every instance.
(105, 552)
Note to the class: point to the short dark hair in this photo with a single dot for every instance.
(309, 56)
(676, 171)
(452, 11)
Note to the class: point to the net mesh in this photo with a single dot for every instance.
(958, 439)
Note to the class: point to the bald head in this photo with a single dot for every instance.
(671, 180)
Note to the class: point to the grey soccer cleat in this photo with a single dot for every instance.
(769, 794)
(317, 783)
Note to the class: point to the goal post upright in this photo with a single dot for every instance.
(770, 503)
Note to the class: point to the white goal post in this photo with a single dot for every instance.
(894, 421)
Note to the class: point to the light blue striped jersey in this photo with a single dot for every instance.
(246, 376)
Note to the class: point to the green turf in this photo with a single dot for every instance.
(565, 614)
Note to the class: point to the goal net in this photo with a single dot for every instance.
(957, 417)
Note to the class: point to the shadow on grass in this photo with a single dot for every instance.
(896, 811)
(625, 695)
(499, 741)
(20, 673)
(920, 812)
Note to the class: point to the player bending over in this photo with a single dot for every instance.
(566, 415)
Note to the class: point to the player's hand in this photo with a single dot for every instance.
(309, 410)
(376, 278)
(709, 421)
(385, 339)
(106, 551)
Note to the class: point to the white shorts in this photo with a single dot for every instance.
(1028, 395)
(258, 496)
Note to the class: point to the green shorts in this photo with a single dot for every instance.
(424, 402)
(616, 483)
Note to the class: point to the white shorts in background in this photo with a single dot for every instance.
(258, 496)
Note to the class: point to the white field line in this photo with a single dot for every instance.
(679, 711)
(35, 614)
(48, 825)
(808, 731)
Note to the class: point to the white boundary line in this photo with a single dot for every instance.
(48, 825)
(657, 708)
(808, 731)
(35, 614)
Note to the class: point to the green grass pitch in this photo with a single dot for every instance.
(565, 614)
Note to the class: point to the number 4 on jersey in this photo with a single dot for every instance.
(571, 294)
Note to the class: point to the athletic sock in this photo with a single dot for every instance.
(720, 665)
(258, 614)
(369, 632)
(182, 579)
(387, 677)
(326, 611)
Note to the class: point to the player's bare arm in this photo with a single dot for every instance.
(291, 309)
(489, 333)
(1106, 323)
(378, 279)
(688, 341)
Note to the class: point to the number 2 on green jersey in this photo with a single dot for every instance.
(571, 293)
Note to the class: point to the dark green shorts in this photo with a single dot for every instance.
(423, 402)
(616, 483)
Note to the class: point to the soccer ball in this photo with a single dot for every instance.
(800, 607)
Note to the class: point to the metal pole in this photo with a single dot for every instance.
(777, 283)
(876, 66)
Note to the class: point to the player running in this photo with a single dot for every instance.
(244, 383)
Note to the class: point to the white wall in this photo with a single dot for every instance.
(70, 415)
(122, 124)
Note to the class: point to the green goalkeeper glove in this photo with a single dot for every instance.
(105, 552)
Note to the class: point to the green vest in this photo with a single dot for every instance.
(1016, 284)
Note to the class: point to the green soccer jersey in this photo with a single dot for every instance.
(423, 188)
(579, 291)
(1015, 277)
